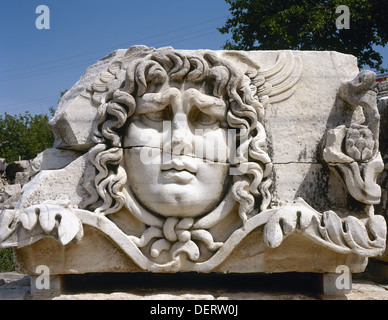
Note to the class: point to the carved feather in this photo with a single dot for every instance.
(281, 78)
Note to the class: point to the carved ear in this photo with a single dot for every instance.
(282, 76)
(279, 79)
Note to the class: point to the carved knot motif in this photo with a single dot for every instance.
(177, 237)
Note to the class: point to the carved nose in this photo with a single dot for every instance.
(181, 138)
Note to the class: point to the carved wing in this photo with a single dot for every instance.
(274, 83)
(281, 78)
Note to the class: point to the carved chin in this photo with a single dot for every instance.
(189, 188)
(176, 200)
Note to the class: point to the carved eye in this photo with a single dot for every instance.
(203, 118)
(155, 116)
(159, 116)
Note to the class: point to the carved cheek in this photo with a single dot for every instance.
(212, 145)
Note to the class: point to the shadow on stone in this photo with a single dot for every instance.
(293, 282)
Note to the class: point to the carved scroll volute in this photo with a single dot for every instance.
(354, 150)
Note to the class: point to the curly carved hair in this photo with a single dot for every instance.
(244, 113)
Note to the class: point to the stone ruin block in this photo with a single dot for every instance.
(208, 161)
(18, 172)
(9, 195)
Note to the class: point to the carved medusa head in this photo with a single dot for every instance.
(155, 123)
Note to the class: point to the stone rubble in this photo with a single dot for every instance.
(13, 177)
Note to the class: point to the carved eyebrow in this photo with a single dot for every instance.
(153, 102)
(210, 105)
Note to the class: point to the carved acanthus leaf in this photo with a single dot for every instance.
(349, 235)
(57, 220)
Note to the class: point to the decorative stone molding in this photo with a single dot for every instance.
(176, 236)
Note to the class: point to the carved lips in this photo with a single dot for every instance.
(179, 170)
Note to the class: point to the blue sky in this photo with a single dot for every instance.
(36, 65)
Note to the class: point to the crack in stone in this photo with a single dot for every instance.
(176, 154)
(296, 162)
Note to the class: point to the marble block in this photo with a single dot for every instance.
(206, 161)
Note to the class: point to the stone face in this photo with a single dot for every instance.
(208, 161)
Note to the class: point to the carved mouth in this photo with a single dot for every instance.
(179, 170)
(178, 176)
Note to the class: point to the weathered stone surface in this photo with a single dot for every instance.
(74, 114)
(11, 190)
(53, 159)
(15, 286)
(71, 184)
(10, 195)
(207, 161)
(22, 178)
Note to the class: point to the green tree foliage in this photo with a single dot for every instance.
(6, 260)
(309, 25)
(24, 136)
